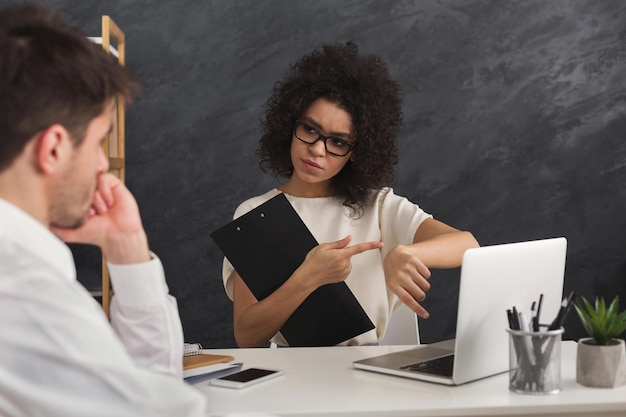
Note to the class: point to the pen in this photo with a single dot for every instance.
(526, 339)
(570, 301)
(516, 322)
(509, 316)
(536, 324)
(566, 304)
(523, 321)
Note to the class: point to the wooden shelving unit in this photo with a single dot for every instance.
(113, 42)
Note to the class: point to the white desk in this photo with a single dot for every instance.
(322, 381)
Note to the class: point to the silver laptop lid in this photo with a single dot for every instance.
(494, 279)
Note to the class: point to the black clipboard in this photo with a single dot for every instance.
(265, 246)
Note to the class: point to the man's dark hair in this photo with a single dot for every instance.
(359, 84)
(50, 73)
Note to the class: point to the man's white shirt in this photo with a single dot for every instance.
(59, 356)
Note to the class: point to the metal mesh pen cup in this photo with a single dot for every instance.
(535, 361)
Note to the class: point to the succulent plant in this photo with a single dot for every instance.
(603, 324)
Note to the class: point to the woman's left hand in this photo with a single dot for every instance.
(407, 276)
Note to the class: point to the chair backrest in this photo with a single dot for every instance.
(402, 328)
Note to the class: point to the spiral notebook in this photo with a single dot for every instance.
(190, 349)
(194, 357)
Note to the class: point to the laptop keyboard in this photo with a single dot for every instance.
(440, 366)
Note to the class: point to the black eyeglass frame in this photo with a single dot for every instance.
(324, 138)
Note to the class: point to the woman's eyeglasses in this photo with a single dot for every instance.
(333, 145)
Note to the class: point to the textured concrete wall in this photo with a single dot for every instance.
(515, 113)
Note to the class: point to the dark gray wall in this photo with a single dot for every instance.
(515, 114)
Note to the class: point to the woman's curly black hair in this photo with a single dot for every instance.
(359, 84)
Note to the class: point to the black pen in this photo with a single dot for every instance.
(566, 304)
(534, 323)
(538, 312)
(509, 316)
(570, 301)
(516, 322)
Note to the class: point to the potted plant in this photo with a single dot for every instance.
(601, 358)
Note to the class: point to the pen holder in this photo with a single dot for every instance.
(535, 361)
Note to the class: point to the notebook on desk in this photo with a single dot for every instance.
(493, 279)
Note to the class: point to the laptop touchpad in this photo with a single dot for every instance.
(424, 354)
(409, 357)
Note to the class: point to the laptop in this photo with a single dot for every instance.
(493, 279)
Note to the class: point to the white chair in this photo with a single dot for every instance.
(402, 328)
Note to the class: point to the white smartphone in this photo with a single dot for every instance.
(247, 377)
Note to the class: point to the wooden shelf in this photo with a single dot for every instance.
(114, 144)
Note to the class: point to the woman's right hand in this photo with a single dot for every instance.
(329, 263)
(255, 322)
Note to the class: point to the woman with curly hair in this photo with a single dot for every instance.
(331, 129)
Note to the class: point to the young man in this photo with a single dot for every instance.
(58, 354)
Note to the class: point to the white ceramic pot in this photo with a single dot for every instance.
(601, 366)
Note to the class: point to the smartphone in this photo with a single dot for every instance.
(247, 377)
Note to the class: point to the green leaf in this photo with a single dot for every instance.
(601, 323)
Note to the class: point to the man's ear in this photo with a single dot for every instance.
(52, 148)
